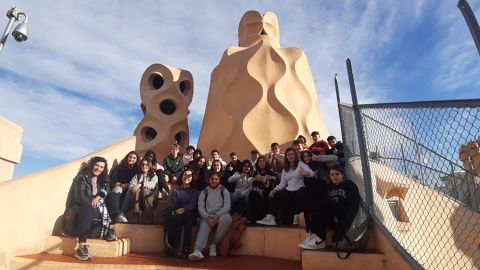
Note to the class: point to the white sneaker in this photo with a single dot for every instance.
(121, 218)
(196, 255)
(314, 243)
(212, 251)
(267, 220)
(309, 236)
(296, 220)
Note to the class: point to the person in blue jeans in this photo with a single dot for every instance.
(243, 186)
(120, 177)
(214, 211)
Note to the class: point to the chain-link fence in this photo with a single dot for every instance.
(424, 185)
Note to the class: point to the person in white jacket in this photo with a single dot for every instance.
(290, 193)
(142, 187)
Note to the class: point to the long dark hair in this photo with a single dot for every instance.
(152, 155)
(247, 162)
(87, 170)
(221, 167)
(302, 155)
(197, 151)
(124, 161)
(151, 170)
(286, 165)
(267, 166)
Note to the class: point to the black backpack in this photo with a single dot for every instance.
(356, 238)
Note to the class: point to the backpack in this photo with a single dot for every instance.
(205, 191)
(100, 222)
(356, 237)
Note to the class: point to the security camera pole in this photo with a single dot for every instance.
(13, 15)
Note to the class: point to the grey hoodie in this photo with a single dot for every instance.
(215, 204)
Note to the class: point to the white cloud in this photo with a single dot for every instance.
(88, 57)
(455, 54)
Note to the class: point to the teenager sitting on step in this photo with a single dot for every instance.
(264, 180)
(184, 203)
(84, 201)
(160, 172)
(214, 208)
(343, 202)
(243, 186)
(290, 193)
(120, 177)
(316, 194)
(200, 173)
(142, 192)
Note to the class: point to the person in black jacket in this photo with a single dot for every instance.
(336, 148)
(160, 172)
(264, 180)
(315, 192)
(200, 173)
(173, 164)
(120, 177)
(343, 202)
(89, 187)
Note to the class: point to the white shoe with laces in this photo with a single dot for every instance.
(267, 220)
(309, 237)
(314, 243)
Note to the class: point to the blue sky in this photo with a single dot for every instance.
(74, 85)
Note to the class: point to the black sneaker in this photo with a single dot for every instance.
(110, 235)
(82, 253)
(180, 253)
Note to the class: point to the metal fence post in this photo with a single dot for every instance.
(419, 156)
(403, 160)
(338, 106)
(367, 179)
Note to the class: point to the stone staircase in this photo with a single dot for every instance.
(140, 246)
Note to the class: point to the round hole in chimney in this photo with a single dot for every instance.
(148, 133)
(185, 86)
(167, 107)
(157, 81)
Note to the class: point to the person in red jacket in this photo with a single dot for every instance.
(319, 146)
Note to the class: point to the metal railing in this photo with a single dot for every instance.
(405, 160)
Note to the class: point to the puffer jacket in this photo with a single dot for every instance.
(81, 190)
(80, 193)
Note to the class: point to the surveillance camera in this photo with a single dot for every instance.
(20, 32)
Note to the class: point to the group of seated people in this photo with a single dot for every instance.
(268, 189)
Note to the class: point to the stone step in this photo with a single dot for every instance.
(268, 241)
(66, 245)
(327, 259)
(150, 261)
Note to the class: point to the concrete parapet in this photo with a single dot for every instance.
(10, 148)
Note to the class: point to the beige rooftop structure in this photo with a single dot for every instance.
(10, 148)
(260, 93)
(166, 93)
